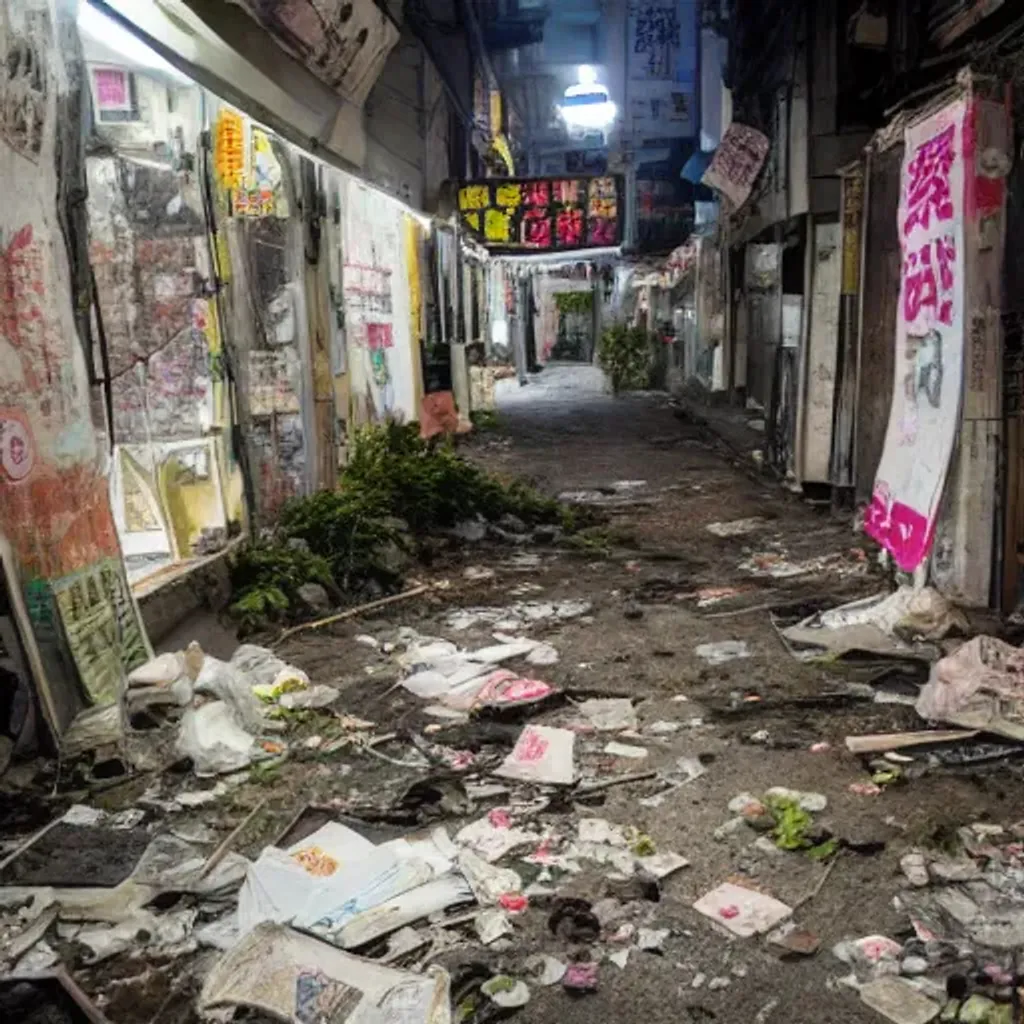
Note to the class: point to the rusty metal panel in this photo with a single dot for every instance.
(881, 298)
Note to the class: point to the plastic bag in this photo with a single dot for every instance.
(269, 675)
(220, 679)
(213, 739)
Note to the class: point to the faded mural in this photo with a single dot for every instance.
(54, 504)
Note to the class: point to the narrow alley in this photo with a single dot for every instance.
(511, 510)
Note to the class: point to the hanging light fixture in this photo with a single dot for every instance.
(588, 104)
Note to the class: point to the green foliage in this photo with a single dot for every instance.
(396, 488)
(792, 823)
(574, 302)
(266, 577)
(625, 355)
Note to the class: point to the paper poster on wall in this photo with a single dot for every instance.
(929, 339)
(377, 307)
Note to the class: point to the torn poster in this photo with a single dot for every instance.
(737, 163)
(929, 339)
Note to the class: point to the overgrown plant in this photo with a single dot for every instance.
(395, 490)
(266, 577)
(624, 354)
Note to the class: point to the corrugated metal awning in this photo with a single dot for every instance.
(950, 19)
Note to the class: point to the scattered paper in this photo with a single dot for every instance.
(627, 751)
(736, 528)
(609, 715)
(723, 652)
(742, 911)
(543, 755)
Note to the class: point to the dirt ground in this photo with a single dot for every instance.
(752, 722)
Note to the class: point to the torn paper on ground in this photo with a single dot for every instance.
(542, 755)
(296, 978)
(742, 911)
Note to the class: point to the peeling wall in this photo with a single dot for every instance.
(54, 505)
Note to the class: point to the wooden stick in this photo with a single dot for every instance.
(31, 841)
(351, 613)
(618, 780)
(821, 883)
(221, 852)
(881, 743)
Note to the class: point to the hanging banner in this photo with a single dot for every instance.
(737, 163)
(929, 339)
(541, 214)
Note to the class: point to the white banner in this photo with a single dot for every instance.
(929, 338)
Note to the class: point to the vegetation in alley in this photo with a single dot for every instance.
(396, 491)
(625, 355)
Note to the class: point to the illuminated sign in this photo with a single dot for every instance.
(543, 214)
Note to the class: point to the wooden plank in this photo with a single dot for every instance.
(880, 743)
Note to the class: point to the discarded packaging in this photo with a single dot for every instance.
(736, 528)
(542, 755)
(545, 970)
(296, 978)
(627, 751)
(979, 686)
(742, 911)
(723, 652)
(609, 715)
(492, 925)
(580, 978)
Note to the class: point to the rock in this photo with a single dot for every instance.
(547, 534)
(915, 869)
(698, 981)
(729, 828)
(314, 597)
(471, 530)
(298, 544)
(392, 557)
(949, 869)
(795, 941)
(633, 611)
(717, 984)
(811, 802)
(512, 523)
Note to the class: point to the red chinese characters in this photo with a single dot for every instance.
(929, 194)
(928, 279)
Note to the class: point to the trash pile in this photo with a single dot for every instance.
(966, 909)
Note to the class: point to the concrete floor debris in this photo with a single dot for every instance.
(511, 798)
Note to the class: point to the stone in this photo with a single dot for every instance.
(633, 611)
(315, 597)
(896, 999)
(512, 523)
(949, 869)
(547, 534)
(471, 530)
(717, 984)
(915, 869)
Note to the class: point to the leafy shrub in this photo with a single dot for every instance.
(624, 353)
(395, 488)
(266, 577)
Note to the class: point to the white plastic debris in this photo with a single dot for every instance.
(722, 652)
(652, 940)
(542, 754)
(598, 830)
(742, 911)
(663, 728)
(661, 865)
(626, 750)
(215, 741)
(609, 714)
(492, 925)
(488, 883)
(319, 696)
(492, 841)
(517, 616)
(506, 992)
(737, 527)
(815, 803)
(545, 970)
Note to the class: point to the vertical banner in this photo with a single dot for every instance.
(929, 339)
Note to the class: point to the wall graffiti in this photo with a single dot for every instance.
(930, 339)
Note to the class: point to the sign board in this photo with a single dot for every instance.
(543, 214)
(737, 163)
(929, 338)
